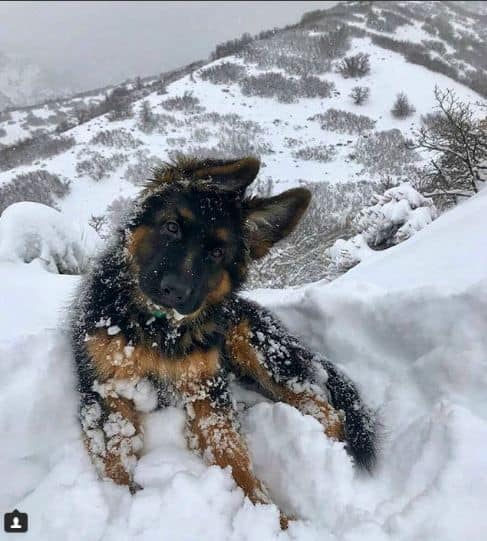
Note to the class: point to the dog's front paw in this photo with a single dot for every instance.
(135, 487)
(285, 520)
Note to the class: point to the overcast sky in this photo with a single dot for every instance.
(96, 43)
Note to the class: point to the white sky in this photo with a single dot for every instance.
(96, 43)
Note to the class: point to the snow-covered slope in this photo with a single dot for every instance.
(408, 325)
(297, 141)
(24, 83)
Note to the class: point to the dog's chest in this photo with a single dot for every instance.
(115, 357)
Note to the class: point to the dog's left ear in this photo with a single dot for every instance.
(271, 219)
(232, 175)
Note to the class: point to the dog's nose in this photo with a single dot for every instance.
(174, 292)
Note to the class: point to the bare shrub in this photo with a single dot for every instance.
(30, 149)
(223, 74)
(119, 105)
(343, 121)
(236, 143)
(402, 108)
(457, 142)
(231, 47)
(435, 45)
(360, 94)
(384, 152)
(200, 135)
(320, 153)
(146, 120)
(97, 166)
(187, 102)
(286, 89)
(298, 52)
(269, 85)
(119, 138)
(37, 186)
(166, 123)
(65, 125)
(314, 87)
(292, 142)
(176, 141)
(98, 223)
(385, 20)
(118, 211)
(355, 66)
(140, 171)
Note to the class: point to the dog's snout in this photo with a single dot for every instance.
(174, 291)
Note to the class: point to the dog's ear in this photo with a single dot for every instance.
(271, 219)
(234, 175)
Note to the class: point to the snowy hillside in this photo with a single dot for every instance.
(408, 325)
(283, 97)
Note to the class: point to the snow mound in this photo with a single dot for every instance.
(397, 215)
(408, 325)
(35, 232)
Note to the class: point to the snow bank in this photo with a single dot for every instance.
(408, 325)
(35, 232)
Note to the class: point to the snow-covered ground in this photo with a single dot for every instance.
(408, 324)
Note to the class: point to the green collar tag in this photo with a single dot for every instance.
(159, 314)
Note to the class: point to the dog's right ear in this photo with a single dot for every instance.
(234, 175)
(270, 219)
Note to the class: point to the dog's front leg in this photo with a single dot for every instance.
(260, 348)
(112, 435)
(212, 430)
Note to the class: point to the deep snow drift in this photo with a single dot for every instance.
(409, 325)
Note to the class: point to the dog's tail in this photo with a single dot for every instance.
(361, 423)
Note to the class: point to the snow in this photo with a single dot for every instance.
(408, 325)
(31, 232)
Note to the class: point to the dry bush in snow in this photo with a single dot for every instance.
(456, 140)
(343, 121)
(320, 153)
(402, 108)
(139, 171)
(394, 217)
(28, 150)
(384, 153)
(119, 138)
(36, 186)
(187, 103)
(355, 66)
(223, 74)
(360, 94)
(97, 166)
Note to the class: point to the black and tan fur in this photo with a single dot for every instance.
(160, 308)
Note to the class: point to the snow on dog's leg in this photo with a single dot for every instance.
(112, 435)
(279, 379)
(260, 347)
(212, 431)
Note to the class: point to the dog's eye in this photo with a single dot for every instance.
(172, 227)
(217, 253)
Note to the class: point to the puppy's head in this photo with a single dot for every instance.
(196, 232)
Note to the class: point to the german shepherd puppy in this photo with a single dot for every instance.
(160, 310)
